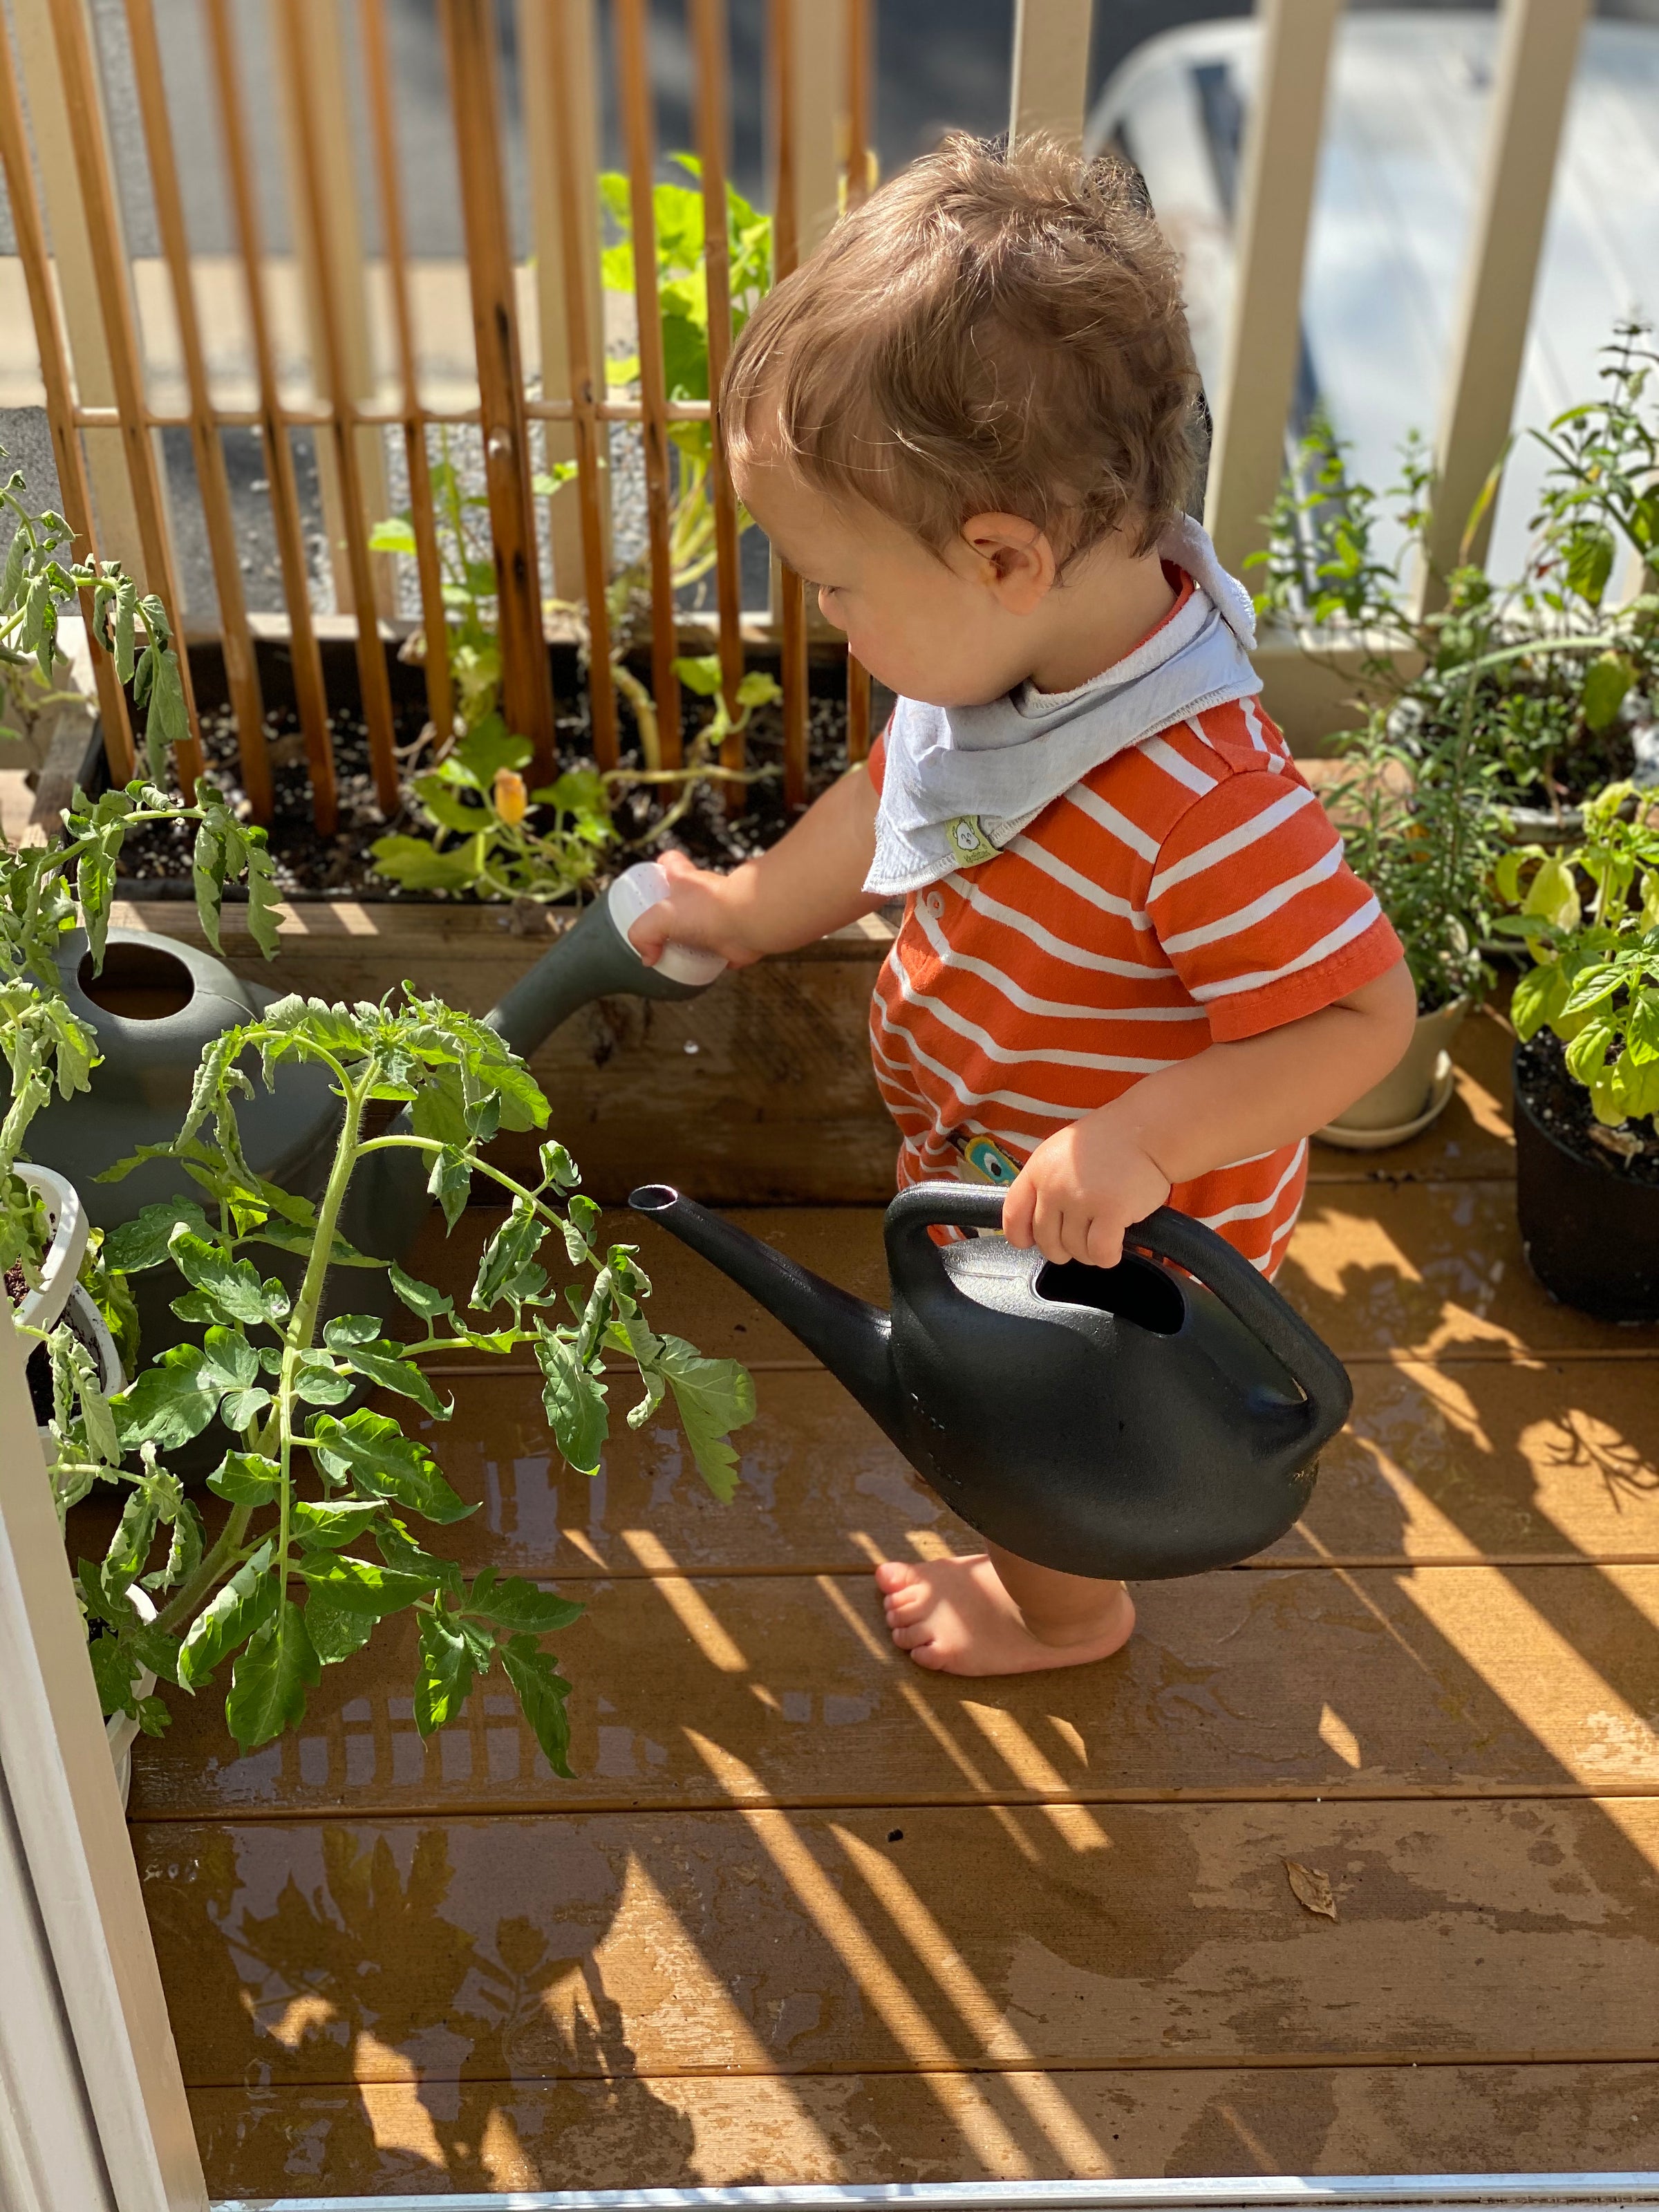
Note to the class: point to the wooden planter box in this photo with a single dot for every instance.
(758, 1092)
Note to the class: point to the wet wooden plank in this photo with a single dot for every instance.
(1466, 1462)
(1430, 1270)
(675, 2132)
(785, 1689)
(766, 1943)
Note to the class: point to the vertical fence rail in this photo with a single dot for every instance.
(213, 481)
(434, 622)
(469, 28)
(792, 610)
(585, 351)
(859, 28)
(708, 31)
(1281, 164)
(110, 270)
(60, 396)
(310, 700)
(343, 426)
(634, 90)
(1539, 47)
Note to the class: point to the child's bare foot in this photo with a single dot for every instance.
(957, 1617)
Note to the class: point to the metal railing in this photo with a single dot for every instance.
(362, 390)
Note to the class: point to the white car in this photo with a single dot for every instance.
(1405, 128)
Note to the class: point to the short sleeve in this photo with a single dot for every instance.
(1257, 909)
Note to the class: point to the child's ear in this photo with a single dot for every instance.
(1012, 558)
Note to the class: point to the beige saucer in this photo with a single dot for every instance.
(1376, 1140)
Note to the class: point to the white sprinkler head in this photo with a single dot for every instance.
(634, 892)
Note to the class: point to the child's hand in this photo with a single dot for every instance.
(703, 910)
(1080, 1189)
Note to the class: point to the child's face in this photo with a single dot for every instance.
(950, 630)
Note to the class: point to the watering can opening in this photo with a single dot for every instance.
(137, 983)
(1134, 1290)
(652, 1198)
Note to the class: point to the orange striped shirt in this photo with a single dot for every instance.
(1189, 892)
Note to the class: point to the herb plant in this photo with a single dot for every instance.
(1553, 721)
(316, 1548)
(1595, 981)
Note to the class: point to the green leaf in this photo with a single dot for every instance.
(515, 1604)
(575, 1403)
(361, 1585)
(318, 1382)
(262, 894)
(558, 1168)
(1589, 564)
(395, 535)
(326, 1527)
(446, 1676)
(1588, 1052)
(420, 866)
(1539, 994)
(271, 1676)
(700, 672)
(714, 1396)
(229, 1359)
(512, 1249)
(246, 1479)
(173, 1400)
(1607, 680)
(582, 1220)
(420, 1297)
(233, 1285)
(450, 1183)
(230, 1617)
(542, 1693)
(239, 1409)
(142, 1242)
(114, 1669)
(381, 1364)
(757, 688)
(372, 1451)
(488, 746)
(335, 1634)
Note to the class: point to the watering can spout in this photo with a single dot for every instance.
(594, 959)
(852, 1338)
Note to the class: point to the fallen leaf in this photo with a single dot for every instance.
(1311, 1888)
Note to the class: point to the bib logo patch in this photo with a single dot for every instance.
(969, 841)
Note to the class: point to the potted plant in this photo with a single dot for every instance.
(315, 1547)
(1586, 1017)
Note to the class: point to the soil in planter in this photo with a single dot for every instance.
(157, 860)
(1563, 1106)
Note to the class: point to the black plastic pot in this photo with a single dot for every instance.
(1591, 1233)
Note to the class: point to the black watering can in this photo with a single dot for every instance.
(1159, 1418)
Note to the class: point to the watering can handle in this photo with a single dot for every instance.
(1166, 1234)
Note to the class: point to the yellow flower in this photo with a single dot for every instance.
(512, 800)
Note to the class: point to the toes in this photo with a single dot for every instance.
(905, 1604)
(932, 1657)
(911, 1636)
(893, 1574)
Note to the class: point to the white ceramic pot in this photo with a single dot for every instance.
(60, 1296)
(121, 1729)
(1413, 1096)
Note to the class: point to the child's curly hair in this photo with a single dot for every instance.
(996, 330)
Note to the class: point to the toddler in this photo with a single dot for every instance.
(1133, 967)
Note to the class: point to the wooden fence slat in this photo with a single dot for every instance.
(1281, 163)
(818, 47)
(64, 223)
(579, 241)
(561, 35)
(310, 700)
(708, 31)
(434, 621)
(337, 371)
(60, 403)
(786, 236)
(1538, 50)
(309, 49)
(212, 478)
(633, 69)
(110, 270)
(1051, 69)
(469, 28)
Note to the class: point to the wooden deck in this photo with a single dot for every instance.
(809, 1913)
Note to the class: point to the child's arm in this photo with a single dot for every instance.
(811, 881)
(1083, 1187)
